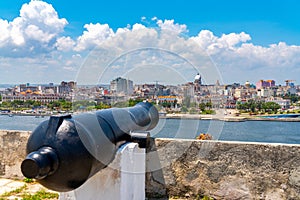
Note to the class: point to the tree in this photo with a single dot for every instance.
(186, 102)
(102, 105)
(272, 106)
(133, 102)
(259, 105)
(36, 104)
(252, 105)
(66, 105)
(202, 106)
(184, 109)
(209, 105)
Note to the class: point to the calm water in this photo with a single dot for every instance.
(24, 123)
(254, 131)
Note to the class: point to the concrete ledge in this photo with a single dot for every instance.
(222, 170)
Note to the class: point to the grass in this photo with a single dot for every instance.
(22, 193)
(28, 180)
(13, 192)
(42, 194)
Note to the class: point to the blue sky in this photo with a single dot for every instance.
(270, 27)
(267, 21)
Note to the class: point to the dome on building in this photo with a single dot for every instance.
(247, 84)
(37, 93)
(197, 77)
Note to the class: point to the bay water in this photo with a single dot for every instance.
(250, 131)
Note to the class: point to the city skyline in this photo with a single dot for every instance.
(49, 41)
(270, 83)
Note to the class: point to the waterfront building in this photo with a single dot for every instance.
(42, 93)
(167, 99)
(43, 98)
(284, 103)
(26, 88)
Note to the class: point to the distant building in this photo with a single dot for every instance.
(265, 84)
(247, 84)
(167, 99)
(197, 82)
(121, 86)
(198, 79)
(284, 103)
(27, 88)
(42, 93)
(265, 93)
(66, 87)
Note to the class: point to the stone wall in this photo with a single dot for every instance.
(222, 170)
(12, 152)
(192, 168)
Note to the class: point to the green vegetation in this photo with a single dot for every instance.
(42, 194)
(13, 192)
(207, 198)
(258, 106)
(63, 105)
(22, 192)
(133, 102)
(129, 103)
(206, 108)
(294, 98)
(19, 105)
(28, 180)
(60, 105)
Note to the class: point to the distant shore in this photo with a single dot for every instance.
(229, 118)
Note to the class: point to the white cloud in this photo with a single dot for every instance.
(171, 26)
(33, 32)
(43, 15)
(65, 44)
(93, 36)
(4, 32)
(238, 58)
(232, 39)
(39, 31)
(213, 44)
(154, 18)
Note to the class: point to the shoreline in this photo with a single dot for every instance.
(229, 118)
(226, 118)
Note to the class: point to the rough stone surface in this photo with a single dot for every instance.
(190, 169)
(12, 152)
(222, 170)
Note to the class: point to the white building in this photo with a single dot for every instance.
(284, 103)
(121, 86)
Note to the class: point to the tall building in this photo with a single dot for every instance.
(66, 87)
(265, 84)
(197, 79)
(121, 86)
(197, 82)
